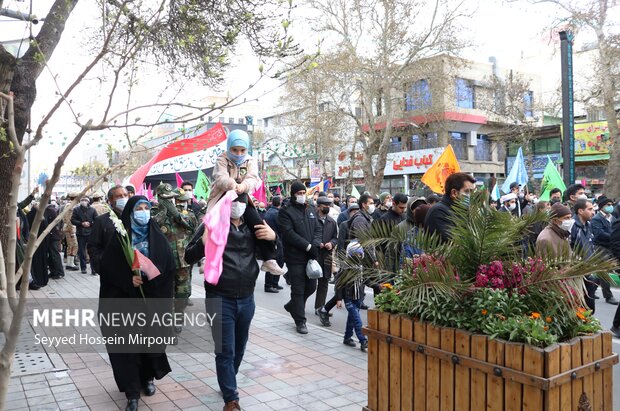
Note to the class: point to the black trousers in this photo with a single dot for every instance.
(82, 243)
(301, 289)
(321, 292)
(54, 260)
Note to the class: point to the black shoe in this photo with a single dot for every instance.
(71, 267)
(279, 287)
(149, 388)
(611, 300)
(615, 331)
(83, 271)
(596, 297)
(301, 328)
(363, 306)
(271, 290)
(33, 286)
(364, 345)
(132, 405)
(56, 277)
(349, 342)
(324, 317)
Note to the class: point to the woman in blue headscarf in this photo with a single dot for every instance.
(135, 367)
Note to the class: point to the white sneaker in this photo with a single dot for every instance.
(272, 267)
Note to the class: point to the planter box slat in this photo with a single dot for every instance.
(461, 373)
(433, 369)
(597, 354)
(514, 391)
(607, 375)
(384, 364)
(406, 371)
(395, 363)
(552, 368)
(373, 362)
(566, 395)
(413, 365)
(447, 371)
(478, 378)
(577, 385)
(419, 368)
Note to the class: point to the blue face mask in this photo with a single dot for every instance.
(142, 217)
(121, 202)
(608, 209)
(465, 198)
(237, 159)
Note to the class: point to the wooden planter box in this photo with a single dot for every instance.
(416, 366)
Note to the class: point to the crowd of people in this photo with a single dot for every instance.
(285, 235)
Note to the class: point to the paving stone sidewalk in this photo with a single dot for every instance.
(282, 370)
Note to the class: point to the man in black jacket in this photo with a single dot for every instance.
(396, 213)
(54, 260)
(438, 219)
(326, 250)
(271, 218)
(232, 299)
(83, 218)
(301, 237)
(614, 246)
(601, 230)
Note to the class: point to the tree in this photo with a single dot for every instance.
(379, 47)
(595, 17)
(185, 38)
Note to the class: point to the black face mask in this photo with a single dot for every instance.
(325, 210)
(553, 201)
(337, 202)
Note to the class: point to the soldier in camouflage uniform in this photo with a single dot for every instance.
(178, 225)
(100, 207)
(70, 234)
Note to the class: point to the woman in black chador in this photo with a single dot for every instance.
(134, 366)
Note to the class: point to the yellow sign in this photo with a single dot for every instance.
(592, 138)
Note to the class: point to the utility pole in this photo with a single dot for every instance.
(568, 117)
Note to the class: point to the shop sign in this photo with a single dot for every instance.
(591, 138)
(411, 162)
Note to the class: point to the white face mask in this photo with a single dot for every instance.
(237, 210)
(582, 197)
(567, 225)
(371, 209)
(301, 199)
(121, 202)
(388, 204)
(512, 206)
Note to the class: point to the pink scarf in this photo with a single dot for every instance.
(217, 224)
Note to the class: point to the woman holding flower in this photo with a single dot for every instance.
(115, 244)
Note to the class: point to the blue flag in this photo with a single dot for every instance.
(518, 173)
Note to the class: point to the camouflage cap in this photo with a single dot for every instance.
(97, 195)
(181, 194)
(72, 195)
(165, 191)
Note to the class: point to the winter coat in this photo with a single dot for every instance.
(359, 223)
(330, 235)
(614, 239)
(391, 217)
(601, 229)
(439, 218)
(80, 215)
(581, 236)
(226, 175)
(552, 241)
(299, 228)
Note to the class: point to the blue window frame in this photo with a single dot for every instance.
(465, 96)
(418, 97)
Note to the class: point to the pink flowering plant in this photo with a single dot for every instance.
(484, 279)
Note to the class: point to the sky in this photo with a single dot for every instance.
(513, 32)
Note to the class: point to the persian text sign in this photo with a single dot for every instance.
(592, 138)
(411, 162)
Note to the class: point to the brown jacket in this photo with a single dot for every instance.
(226, 175)
(551, 243)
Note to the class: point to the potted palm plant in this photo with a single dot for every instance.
(482, 320)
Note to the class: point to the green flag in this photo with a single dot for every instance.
(551, 179)
(354, 192)
(202, 186)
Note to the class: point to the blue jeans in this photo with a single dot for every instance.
(230, 332)
(354, 321)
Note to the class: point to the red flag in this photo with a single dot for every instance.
(179, 180)
(260, 194)
(144, 264)
(278, 191)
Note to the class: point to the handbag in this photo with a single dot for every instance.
(313, 269)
